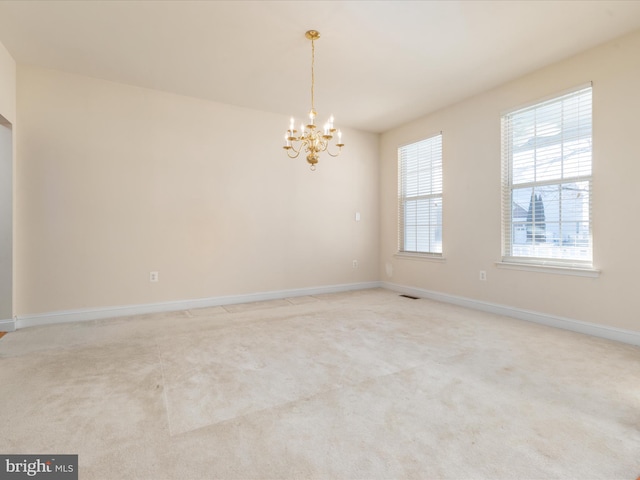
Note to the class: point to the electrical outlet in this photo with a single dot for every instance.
(483, 276)
(355, 264)
(153, 276)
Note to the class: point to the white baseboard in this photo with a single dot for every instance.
(81, 315)
(8, 325)
(610, 333)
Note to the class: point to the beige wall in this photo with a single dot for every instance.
(472, 202)
(7, 160)
(116, 181)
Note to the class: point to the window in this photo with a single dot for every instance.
(420, 196)
(546, 155)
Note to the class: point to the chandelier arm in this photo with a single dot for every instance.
(297, 152)
(334, 155)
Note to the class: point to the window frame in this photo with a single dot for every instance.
(556, 264)
(432, 162)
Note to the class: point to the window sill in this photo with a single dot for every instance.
(554, 269)
(430, 257)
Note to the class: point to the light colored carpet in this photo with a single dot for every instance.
(358, 385)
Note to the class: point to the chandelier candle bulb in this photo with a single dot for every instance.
(311, 139)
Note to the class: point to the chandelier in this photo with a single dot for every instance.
(311, 139)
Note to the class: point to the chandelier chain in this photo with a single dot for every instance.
(313, 61)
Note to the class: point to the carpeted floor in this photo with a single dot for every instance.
(357, 385)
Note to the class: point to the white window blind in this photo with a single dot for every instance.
(420, 196)
(546, 178)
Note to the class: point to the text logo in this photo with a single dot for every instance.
(45, 467)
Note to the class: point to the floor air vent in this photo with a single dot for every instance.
(409, 296)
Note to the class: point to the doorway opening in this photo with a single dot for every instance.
(6, 225)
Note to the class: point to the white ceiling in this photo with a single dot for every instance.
(378, 63)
